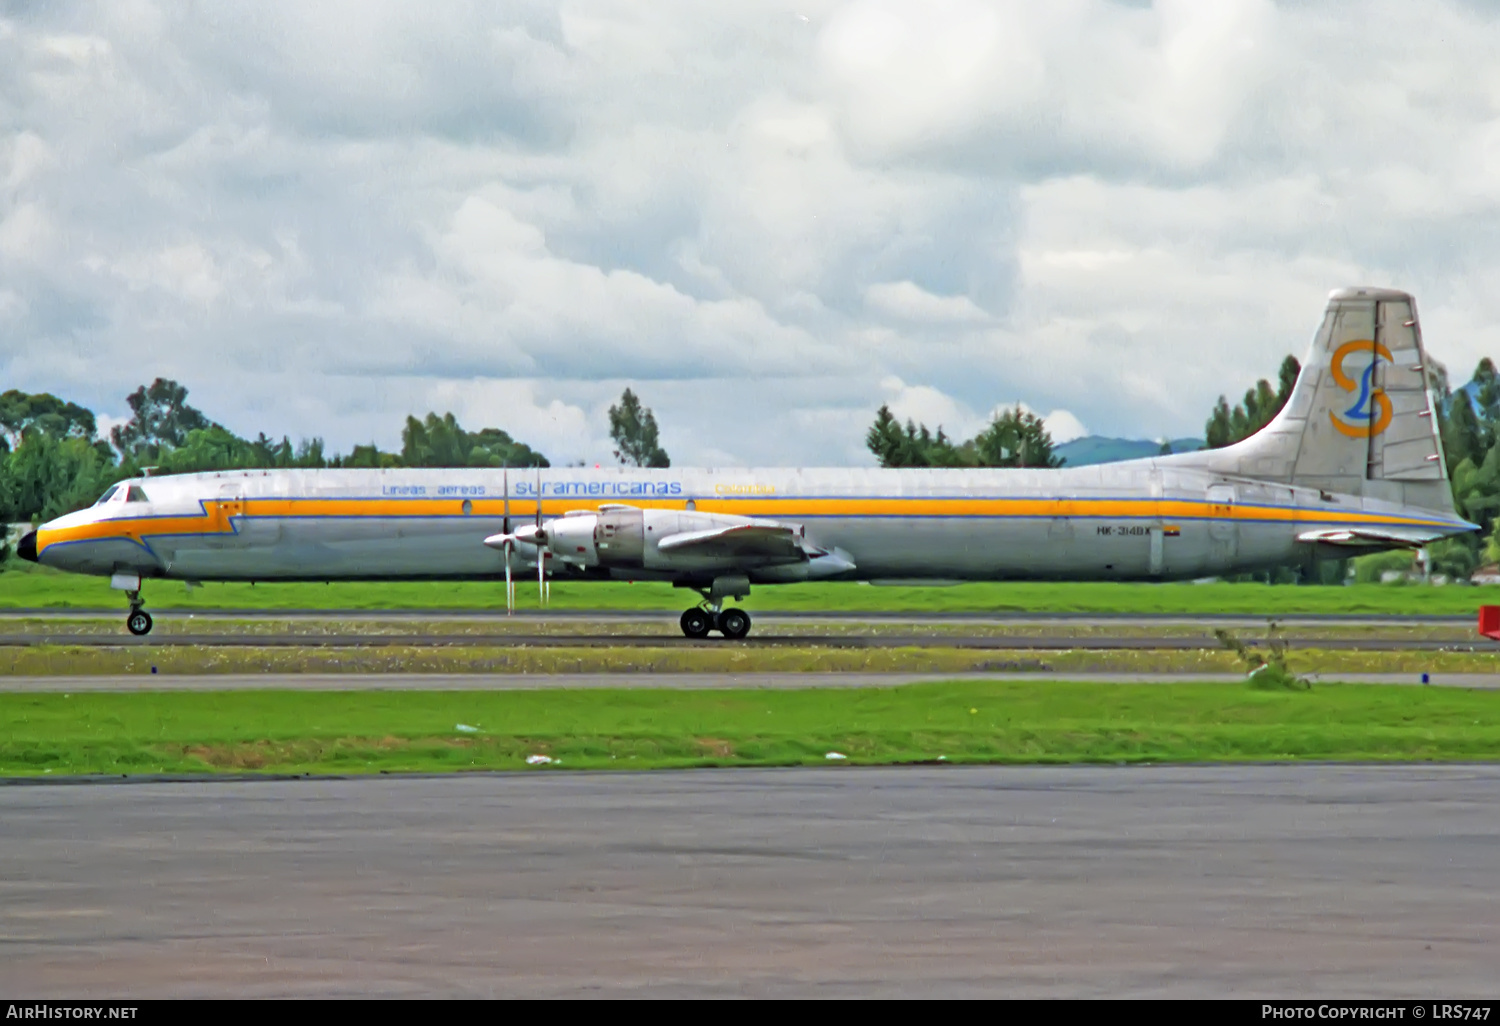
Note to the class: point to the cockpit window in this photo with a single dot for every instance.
(136, 494)
(109, 494)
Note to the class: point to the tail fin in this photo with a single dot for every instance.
(1360, 420)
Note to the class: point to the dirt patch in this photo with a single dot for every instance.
(247, 757)
(715, 746)
(254, 755)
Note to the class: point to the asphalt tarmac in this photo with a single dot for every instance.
(1284, 881)
(976, 642)
(766, 617)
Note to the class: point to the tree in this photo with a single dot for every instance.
(884, 438)
(435, 442)
(20, 413)
(633, 429)
(51, 464)
(1016, 438)
(912, 445)
(368, 457)
(1464, 437)
(1476, 489)
(160, 417)
(1456, 558)
(442, 442)
(1486, 386)
(46, 476)
(1227, 425)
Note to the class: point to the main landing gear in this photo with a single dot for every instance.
(712, 616)
(732, 623)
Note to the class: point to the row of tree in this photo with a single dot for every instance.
(1469, 422)
(1013, 438)
(52, 460)
(1017, 438)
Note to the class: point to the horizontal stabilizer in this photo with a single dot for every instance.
(1372, 537)
(766, 541)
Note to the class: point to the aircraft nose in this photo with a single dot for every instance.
(27, 547)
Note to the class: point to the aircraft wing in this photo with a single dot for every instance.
(752, 541)
(1366, 537)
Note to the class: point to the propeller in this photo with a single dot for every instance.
(541, 551)
(532, 534)
(508, 546)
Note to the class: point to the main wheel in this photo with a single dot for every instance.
(696, 623)
(735, 623)
(138, 622)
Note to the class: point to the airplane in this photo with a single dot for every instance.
(1352, 464)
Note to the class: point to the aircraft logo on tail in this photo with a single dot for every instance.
(1371, 412)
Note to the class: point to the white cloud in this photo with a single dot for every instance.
(26, 233)
(1063, 426)
(24, 156)
(563, 430)
(923, 404)
(766, 218)
(104, 423)
(908, 301)
(1013, 82)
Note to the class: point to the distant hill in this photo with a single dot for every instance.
(1092, 449)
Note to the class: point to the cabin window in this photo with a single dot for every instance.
(108, 494)
(136, 494)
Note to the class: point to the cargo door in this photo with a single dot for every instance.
(1223, 528)
(1157, 556)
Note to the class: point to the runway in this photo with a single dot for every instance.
(1293, 881)
(677, 681)
(669, 617)
(978, 642)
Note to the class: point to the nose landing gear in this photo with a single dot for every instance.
(138, 621)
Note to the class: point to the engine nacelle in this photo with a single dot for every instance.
(571, 539)
(626, 537)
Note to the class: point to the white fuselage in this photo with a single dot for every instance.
(1143, 519)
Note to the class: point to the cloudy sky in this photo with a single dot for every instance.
(767, 218)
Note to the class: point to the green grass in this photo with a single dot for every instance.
(69, 661)
(393, 731)
(39, 588)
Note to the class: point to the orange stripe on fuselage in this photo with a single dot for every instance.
(218, 517)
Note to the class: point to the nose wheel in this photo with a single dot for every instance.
(732, 623)
(139, 621)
